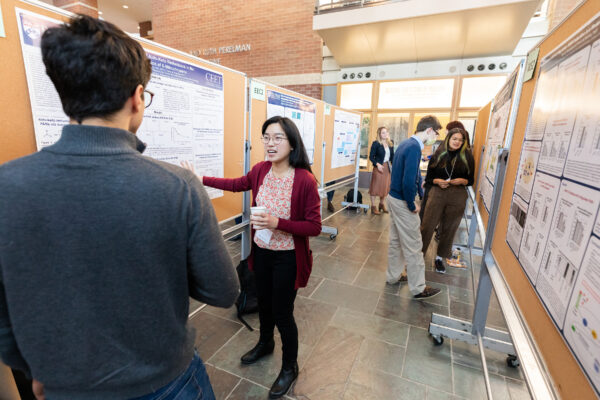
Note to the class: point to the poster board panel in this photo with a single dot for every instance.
(17, 136)
(483, 118)
(258, 110)
(332, 174)
(568, 376)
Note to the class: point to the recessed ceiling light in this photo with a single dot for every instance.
(125, 6)
(100, 12)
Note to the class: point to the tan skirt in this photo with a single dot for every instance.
(380, 181)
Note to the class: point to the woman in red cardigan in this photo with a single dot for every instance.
(280, 255)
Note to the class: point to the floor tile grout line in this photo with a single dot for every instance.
(405, 352)
(412, 381)
(362, 266)
(320, 337)
(356, 361)
(315, 291)
(226, 343)
(233, 389)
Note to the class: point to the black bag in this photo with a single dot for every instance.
(247, 302)
(350, 198)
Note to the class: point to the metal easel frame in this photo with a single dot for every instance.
(519, 341)
(331, 230)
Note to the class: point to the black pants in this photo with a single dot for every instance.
(275, 273)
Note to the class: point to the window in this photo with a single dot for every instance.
(435, 93)
(396, 124)
(476, 92)
(356, 96)
(444, 118)
(365, 128)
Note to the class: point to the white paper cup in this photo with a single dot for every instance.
(258, 210)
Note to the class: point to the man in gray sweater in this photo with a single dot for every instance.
(100, 246)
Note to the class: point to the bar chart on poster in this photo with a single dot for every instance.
(553, 227)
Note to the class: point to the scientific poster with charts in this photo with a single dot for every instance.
(562, 149)
(571, 228)
(302, 112)
(582, 324)
(48, 114)
(495, 137)
(346, 133)
(184, 123)
(186, 119)
(516, 223)
(538, 221)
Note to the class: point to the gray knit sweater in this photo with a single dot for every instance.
(100, 248)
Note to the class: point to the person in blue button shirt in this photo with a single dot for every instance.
(405, 247)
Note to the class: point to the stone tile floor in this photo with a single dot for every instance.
(360, 338)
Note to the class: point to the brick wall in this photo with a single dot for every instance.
(279, 32)
(313, 90)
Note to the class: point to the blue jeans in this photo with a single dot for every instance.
(193, 384)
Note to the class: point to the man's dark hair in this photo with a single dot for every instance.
(454, 124)
(428, 121)
(298, 157)
(94, 66)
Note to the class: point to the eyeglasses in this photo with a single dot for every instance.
(277, 139)
(148, 99)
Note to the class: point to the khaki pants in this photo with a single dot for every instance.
(405, 246)
(445, 207)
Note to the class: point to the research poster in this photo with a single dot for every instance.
(496, 134)
(346, 133)
(302, 112)
(186, 119)
(583, 159)
(527, 167)
(46, 108)
(516, 223)
(560, 244)
(538, 221)
(582, 323)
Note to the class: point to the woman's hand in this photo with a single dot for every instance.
(264, 221)
(441, 183)
(459, 181)
(189, 166)
(380, 167)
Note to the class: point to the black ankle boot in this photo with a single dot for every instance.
(282, 384)
(259, 351)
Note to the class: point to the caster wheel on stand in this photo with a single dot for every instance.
(512, 361)
(437, 340)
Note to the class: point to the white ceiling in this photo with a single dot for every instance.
(125, 18)
(415, 35)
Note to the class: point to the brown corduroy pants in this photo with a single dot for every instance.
(446, 206)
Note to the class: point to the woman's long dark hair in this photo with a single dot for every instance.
(442, 155)
(298, 157)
